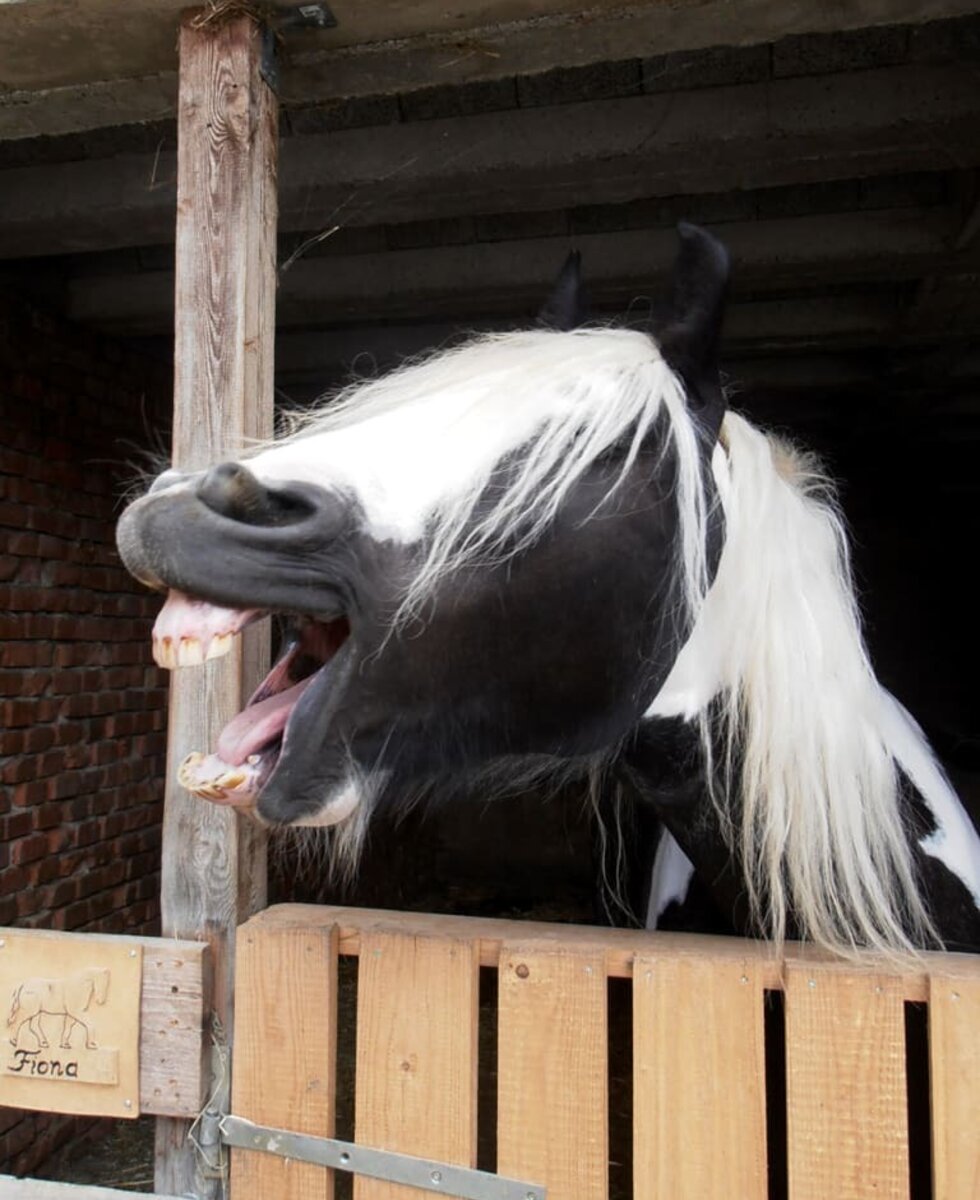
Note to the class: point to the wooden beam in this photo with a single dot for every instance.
(384, 49)
(913, 117)
(618, 948)
(511, 277)
(214, 866)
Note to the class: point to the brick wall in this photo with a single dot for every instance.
(82, 708)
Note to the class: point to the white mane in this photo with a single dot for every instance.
(779, 647)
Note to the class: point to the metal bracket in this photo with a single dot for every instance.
(445, 1178)
(304, 16)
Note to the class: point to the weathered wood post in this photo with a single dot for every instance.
(214, 862)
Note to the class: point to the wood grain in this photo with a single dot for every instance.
(417, 1004)
(617, 947)
(214, 862)
(175, 996)
(954, 1063)
(699, 1106)
(847, 1116)
(284, 1065)
(552, 1084)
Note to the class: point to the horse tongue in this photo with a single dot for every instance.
(259, 724)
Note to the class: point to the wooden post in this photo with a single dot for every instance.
(214, 862)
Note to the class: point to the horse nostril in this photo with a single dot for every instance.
(233, 491)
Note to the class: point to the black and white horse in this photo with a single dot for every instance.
(555, 552)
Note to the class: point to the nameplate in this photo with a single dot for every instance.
(70, 1013)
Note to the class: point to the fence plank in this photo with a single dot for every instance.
(847, 1117)
(552, 1086)
(699, 1109)
(417, 1010)
(285, 1053)
(954, 1063)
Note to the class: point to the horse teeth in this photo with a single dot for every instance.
(253, 759)
(190, 652)
(185, 772)
(164, 653)
(230, 780)
(220, 644)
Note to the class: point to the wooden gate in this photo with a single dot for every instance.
(530, 1068)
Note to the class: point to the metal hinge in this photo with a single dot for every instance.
(445, 1178)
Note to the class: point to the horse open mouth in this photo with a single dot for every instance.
(189, 632)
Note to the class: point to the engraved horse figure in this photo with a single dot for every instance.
(67, 998)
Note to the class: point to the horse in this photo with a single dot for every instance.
(68, 998)
(557, 553)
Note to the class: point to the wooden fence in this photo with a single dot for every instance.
(713, 1068)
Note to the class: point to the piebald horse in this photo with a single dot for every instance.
(557, 553)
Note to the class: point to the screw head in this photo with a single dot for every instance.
(522, 970)
(436, 1176)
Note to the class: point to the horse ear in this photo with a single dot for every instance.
(689, 339)
(567, 307)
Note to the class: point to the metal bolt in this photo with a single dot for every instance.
(345, 1158)
(811, 983)
(436, 1176)
(132, 954)
(127, 1104)
(522, 971)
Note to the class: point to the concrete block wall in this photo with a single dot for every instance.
(82, 707)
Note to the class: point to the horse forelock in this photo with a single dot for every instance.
(530, 411)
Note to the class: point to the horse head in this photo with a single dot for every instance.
(485, 558)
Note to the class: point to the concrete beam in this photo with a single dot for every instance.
(511, 277)
(96, 63)
(906, 118)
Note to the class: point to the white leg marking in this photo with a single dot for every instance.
(669, 879)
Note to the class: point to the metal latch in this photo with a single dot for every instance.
(445, 1178)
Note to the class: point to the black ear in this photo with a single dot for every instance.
(689, 339)
(568, 305)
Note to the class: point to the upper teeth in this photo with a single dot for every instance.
(169, 652)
